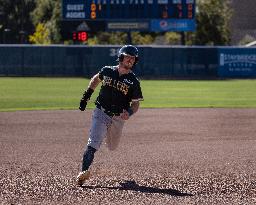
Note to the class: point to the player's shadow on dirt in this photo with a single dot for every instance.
(132, 185)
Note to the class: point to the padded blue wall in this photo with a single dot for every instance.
(85, 61)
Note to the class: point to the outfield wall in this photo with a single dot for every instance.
(155, 61)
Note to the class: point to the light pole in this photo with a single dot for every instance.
(22, 33)
(1, 25)
(22, 36)
(6, 35)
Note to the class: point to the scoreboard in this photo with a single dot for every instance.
(148, 15)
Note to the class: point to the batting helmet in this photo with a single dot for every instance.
(128, 50)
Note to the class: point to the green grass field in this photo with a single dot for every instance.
(65, 93)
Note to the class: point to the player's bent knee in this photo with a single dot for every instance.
(94, 144)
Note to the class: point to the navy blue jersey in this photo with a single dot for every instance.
(117, 92)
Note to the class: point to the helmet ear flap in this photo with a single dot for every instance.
(121, 58)
(136, 60)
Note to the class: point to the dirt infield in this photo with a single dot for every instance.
(166, 156)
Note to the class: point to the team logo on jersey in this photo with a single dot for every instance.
(128, 81)
(120, 86)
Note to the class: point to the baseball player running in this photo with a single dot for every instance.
(117, 101)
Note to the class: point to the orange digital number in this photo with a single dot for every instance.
(190, 7)
(190, 15)
(93, 7)
(93, 11)
(93, 15)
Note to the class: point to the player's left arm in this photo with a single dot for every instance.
(126, 114)
(134, 107)
(135, 101)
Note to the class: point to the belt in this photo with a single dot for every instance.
(109, 113)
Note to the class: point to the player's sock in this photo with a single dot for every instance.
(88, 158)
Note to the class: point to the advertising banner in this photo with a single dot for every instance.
(172, 25)
(237, 62)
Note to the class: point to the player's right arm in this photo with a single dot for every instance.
(94, 82)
